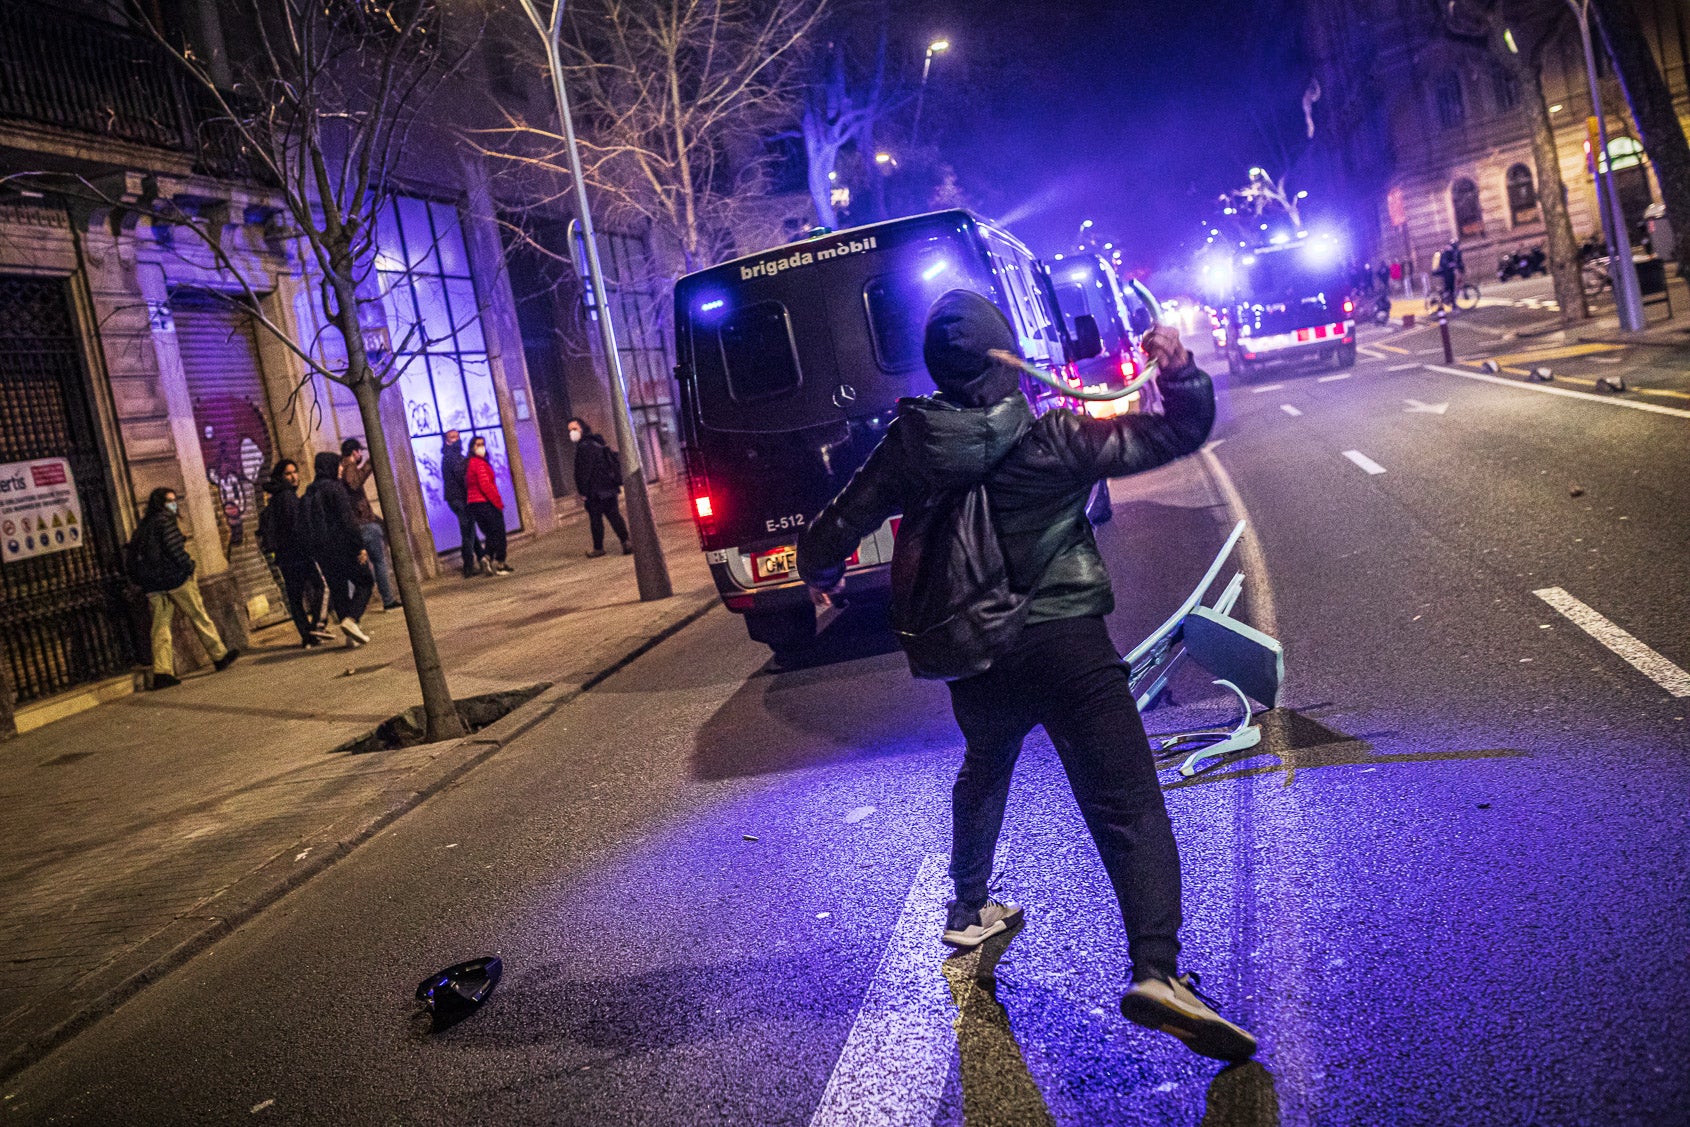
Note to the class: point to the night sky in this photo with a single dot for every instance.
(1135, 114)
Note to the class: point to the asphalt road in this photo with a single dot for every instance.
(1450, 887)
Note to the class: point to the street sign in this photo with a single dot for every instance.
(39, 509)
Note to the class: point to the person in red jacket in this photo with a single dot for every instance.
(486, 507)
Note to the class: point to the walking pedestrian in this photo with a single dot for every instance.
(284, 541)
(598, 478)
(355, 470)
(452, 483)
(338, 545)
(158, 561)
(1057, 666)
(486, 507)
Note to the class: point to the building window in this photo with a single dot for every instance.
(1522, 195)
(1452, 106)
(434, 326)
(1469, 218)
(1505, 88)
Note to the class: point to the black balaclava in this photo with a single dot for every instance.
(961, 327)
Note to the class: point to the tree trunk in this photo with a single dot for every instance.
(440, 713)
(821, 156)
(1651, 108)
(1560, 246)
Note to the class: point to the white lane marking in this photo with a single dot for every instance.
(1289, 410)
(893, 1067)
(1405, 367)
(1364, 461)
(1415, 407)
(1645, 660)
(1329, 379)
(1370, 353)
(1544, 389)
(1267, 387)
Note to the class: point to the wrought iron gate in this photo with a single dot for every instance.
(64, 618)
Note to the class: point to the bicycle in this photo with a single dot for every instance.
(1466, 297)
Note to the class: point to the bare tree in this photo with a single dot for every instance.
(323, 105)
(840, 109)
(674, 100)
(1517, 34)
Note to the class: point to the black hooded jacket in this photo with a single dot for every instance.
(1039, 473)
(337, 538)
(596, 476)
(279, 531)
(453, 467)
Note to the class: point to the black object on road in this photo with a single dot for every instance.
(456, 992)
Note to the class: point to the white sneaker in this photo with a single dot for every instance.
(1173, 1005)
(970, 929)
(354, 633)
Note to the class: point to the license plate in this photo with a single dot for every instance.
(776, 564)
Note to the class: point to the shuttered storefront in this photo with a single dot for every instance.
(232, 417)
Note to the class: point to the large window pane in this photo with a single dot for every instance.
(420, 414)
(449, 240)
(478, 382)
(461, 293)
(449, 393)
(419, 236)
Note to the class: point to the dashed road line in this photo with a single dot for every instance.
(1330, 379)
(1404, 367)
(1289, 410)
(1545, 389)
(1645, 660)
(1267, 387)
(1370, 352)
(1362, 460)
(896, 1057)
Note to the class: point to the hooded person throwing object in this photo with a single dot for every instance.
(1050, 661)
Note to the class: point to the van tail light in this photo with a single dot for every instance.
(702, 505)
(1129, 367)
(1349, 306)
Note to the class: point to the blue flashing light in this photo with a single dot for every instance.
(712, 306)
(934, 270)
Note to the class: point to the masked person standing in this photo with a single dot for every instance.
(284, 540)
(338, 546)
(453, 471)
(486, 507)
(598, 478)
(159, 563)
(1057, 666)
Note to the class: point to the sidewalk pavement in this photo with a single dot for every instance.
(141, 831)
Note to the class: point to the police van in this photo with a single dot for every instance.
(1291, 302)
(1087, 285)
(790, 364)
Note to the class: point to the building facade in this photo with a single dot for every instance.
(129, 360)
(1424, 134)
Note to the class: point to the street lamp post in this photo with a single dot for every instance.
(650, 569)
(935, 47)
(1628, 295)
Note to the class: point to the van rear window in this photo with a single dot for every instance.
(897, 316)
(758, 353)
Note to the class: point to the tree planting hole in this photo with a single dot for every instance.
(407, 729)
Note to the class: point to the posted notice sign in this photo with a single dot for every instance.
(39, 509)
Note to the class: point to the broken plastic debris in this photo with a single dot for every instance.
(256, 1108)
(858, 815)
(1575, 490)
(454, 993)
(823, 915)
(749, 837)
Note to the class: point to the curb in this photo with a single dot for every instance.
(174, 946)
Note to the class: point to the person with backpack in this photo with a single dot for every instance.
(281, 538)
(453, 486)
(337, 544)
(598, 478)
(486, 506)
(999, 588)
(158, 562)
